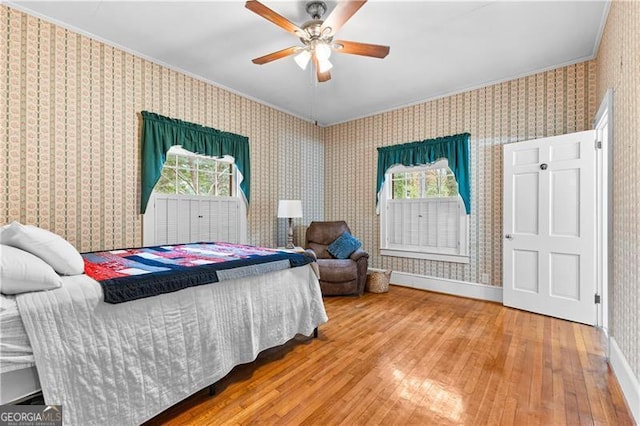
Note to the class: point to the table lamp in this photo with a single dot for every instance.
(289, 209)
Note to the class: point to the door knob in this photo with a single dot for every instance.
(509, 237)
(543, 166)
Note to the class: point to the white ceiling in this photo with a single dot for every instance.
(437, 48)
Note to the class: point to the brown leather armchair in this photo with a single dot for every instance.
(338, 277)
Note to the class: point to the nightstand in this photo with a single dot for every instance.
(296, 249)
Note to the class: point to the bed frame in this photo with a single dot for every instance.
(19, 385)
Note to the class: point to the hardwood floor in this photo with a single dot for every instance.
(415, 357)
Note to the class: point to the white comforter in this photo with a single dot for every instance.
(125, 363)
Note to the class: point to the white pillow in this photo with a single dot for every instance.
(21, 272)
(51, 248)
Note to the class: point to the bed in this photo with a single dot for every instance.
(18, 375)
(125, 363)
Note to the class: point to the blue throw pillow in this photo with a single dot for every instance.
(344, 245)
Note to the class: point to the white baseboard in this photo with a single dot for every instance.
(443, 285)
(628, 381)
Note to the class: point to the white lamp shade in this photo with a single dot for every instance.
(290, 208)
(324, 65)
(323, 51)
(302, 59)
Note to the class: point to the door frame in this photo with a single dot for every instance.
(604, 209)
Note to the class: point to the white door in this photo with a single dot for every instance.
(549, 226)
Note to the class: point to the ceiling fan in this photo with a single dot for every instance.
(317, 35)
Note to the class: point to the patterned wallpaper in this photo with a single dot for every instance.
(546, 104)
(618, 67)
(70, 155)
(70, 136)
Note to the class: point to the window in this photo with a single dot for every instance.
(422, 215)
(197, 198)
(429, 183)
(185, 173)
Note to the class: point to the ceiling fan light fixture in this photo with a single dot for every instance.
(302, 59)
(317, 35)
(324, 65)
(323, 51)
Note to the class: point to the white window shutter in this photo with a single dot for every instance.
(179, 219)
(172, 221)
(160, 222)
(430, 224)
(185, 222)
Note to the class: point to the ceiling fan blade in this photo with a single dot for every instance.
(321, 76)
(275, 55)
(268, 14)
(363, 49)
(341, 14)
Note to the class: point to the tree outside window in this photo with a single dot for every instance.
(429, 183)
(195, 175)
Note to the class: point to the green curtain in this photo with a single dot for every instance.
(454, 148)
(161, 133)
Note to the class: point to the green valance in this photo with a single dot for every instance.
(161, 133)
(454, 148)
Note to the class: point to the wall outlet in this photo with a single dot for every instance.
(484, 278)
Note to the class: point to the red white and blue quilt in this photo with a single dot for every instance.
(134, 273)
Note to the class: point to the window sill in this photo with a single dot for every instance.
(455, 258)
